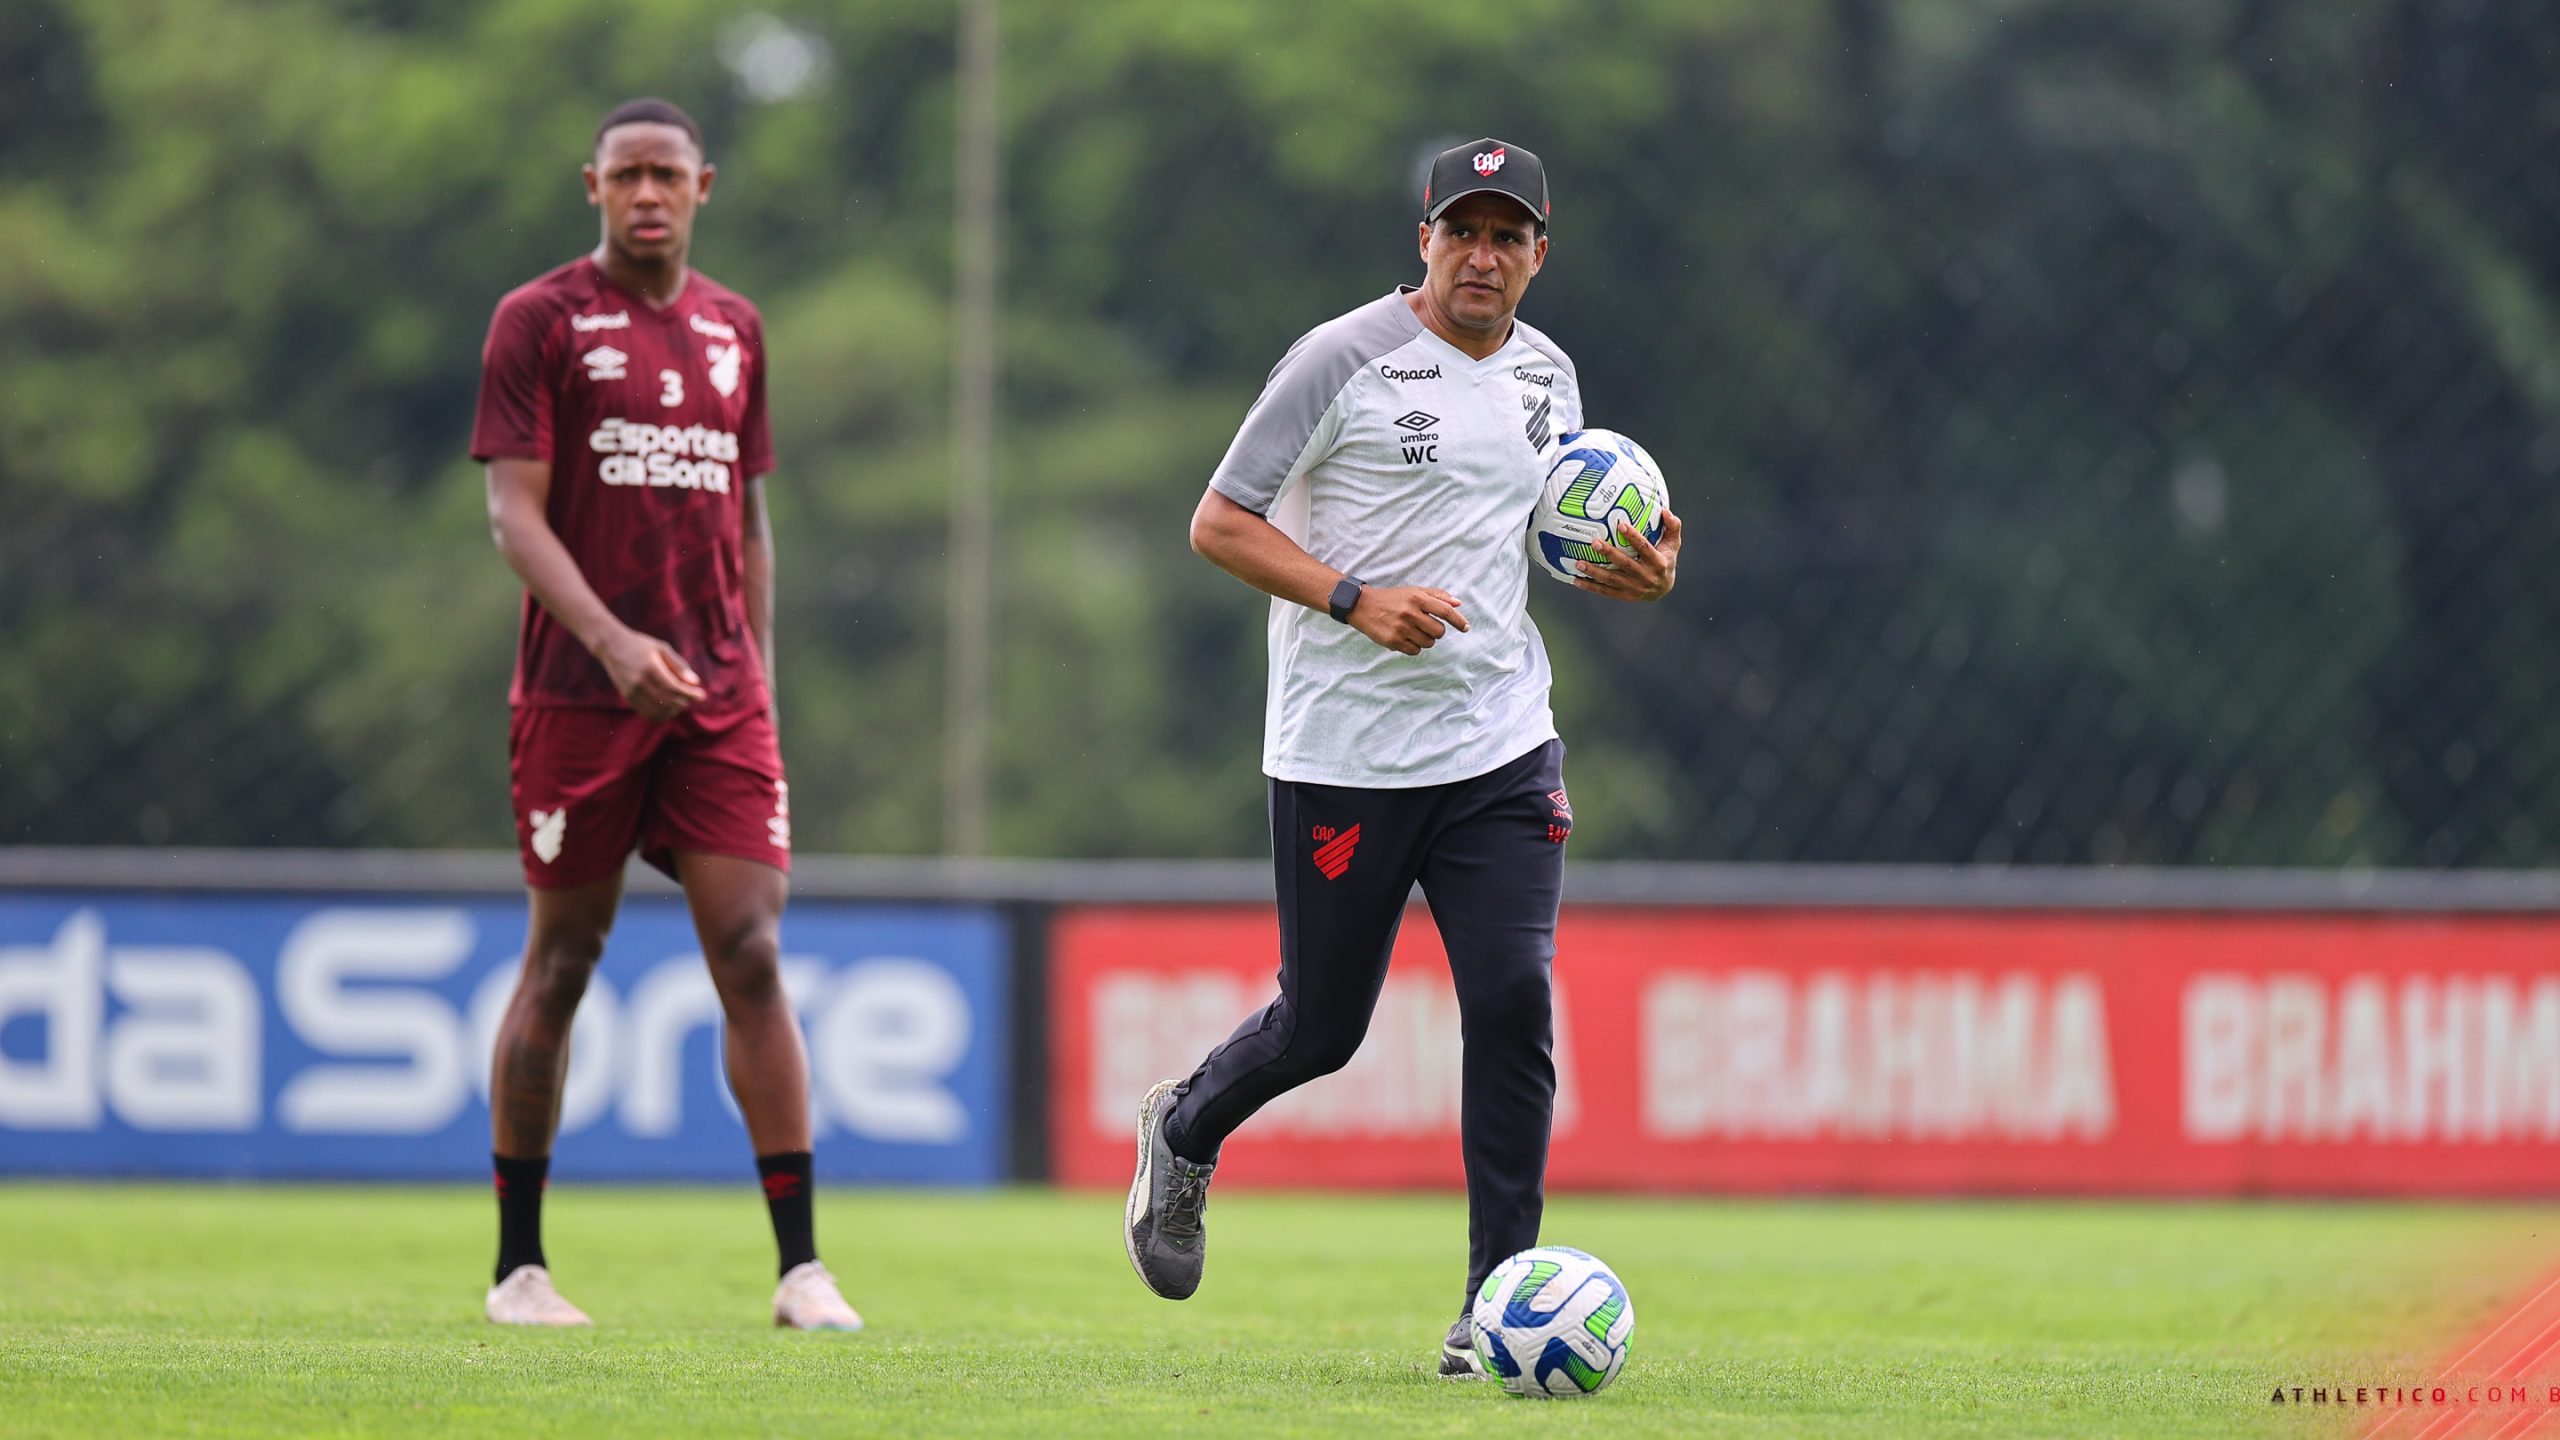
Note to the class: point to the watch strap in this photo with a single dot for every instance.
(1346, 593)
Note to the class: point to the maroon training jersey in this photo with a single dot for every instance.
(652, 421)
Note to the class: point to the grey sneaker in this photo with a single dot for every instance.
(1167, 1242)
(1458, 1352)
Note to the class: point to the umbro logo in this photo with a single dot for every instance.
(1333, 850)
(604, 363)
(1417, 450)
(550, 828)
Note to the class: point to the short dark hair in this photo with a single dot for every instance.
(650, 110)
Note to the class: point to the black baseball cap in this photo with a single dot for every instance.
(1481, 165)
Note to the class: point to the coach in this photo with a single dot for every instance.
(1380, 492)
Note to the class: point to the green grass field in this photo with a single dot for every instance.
(237, 1311)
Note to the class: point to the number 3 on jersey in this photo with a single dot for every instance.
(673, 394)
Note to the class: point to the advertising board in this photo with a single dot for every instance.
(265, 1037)
(1883, 1050)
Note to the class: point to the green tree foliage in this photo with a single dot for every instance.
(2105, 432)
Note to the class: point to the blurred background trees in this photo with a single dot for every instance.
(2107, 433)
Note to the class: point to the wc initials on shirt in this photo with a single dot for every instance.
(1416, 442)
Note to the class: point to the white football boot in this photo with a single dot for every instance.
(526, 1297)
(807, 1299)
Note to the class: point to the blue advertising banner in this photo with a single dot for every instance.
(255, 1037)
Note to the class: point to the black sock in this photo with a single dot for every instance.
(1180, 1144)
(786, 1194)
(520, 1186)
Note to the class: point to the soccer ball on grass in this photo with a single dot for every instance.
(1553, 1323)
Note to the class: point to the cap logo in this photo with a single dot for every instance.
(1490, 161)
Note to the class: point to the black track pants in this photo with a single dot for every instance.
(1489, 853)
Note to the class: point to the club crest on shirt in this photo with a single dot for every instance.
(1537, 429)
(605, 363)
(725, 362)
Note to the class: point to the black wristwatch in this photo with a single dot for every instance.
(1346, 593)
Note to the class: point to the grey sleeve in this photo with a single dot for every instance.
(1298, 418)
(1291, 426)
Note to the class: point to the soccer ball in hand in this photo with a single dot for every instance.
(1597, 478)
(1553, 1323)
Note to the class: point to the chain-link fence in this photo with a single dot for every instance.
(2105, 433)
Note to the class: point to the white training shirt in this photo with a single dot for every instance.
(1389, 454)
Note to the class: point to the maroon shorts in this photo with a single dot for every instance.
(593, 785)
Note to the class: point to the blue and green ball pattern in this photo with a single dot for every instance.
(1597, 478)
(1553, 1322)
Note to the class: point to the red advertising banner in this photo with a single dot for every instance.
(1894, 1051)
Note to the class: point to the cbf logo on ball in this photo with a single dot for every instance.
(1489, 161)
